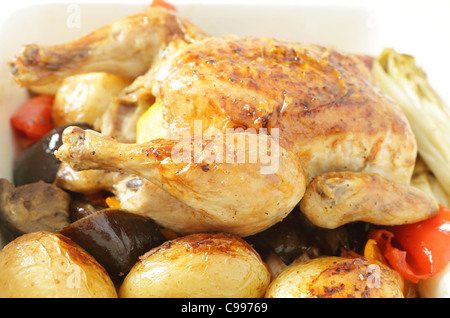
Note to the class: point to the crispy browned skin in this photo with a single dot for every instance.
(325, 102)
(336, 198)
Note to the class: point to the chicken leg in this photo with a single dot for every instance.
(225, 193)
(125, 48)
(137, 195)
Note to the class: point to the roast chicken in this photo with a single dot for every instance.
(313, 111)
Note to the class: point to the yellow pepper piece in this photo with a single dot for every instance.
(373, 253)
(112, 202)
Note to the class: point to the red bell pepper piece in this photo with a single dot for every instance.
(418, 250)
(164, 4)
(34, 117)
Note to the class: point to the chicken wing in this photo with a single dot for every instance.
(336, 198)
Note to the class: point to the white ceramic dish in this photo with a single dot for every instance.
(361, 27)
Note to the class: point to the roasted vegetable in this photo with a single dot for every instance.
(81, 205)
(296, 235)
(85, 97)
(427, 242)
(417, 251)
(424, 179)
(115, 238)
(163, 4)
(48, 265)
(198, 265)
(401, 79)
(38, 162)
(288, 239)
(33, 119)
(38, 206)
(336, 277)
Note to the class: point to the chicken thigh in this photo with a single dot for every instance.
(290, 111)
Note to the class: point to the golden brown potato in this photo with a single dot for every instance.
(336, 277)
(85, 97)
(198, 265)
(47, 265)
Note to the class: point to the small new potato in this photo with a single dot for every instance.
(198, 266)
(48, 265)
(85, 97)
(336, 277)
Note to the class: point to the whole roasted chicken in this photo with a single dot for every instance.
(240, 131)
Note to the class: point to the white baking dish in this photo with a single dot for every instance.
(361, 27)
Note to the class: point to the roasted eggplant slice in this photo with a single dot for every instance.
(288, 239)
(81, 206)
(37, 206)
(296, 235)
(38, 162)
(115, 238)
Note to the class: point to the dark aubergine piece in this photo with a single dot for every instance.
(296, 235)
(333, 242)
(288, 239)
(38, 162)
(115, 238)
(81, 206)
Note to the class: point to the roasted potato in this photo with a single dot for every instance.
(198, 265)
(47, 265)
(335, 277)
(85, 97)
